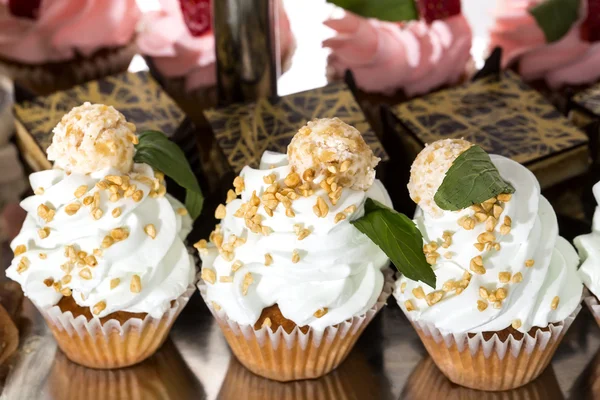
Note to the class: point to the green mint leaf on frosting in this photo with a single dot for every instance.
(399, 238)
(471, 179)
(156, 150)
(556, 17)
(385, 10)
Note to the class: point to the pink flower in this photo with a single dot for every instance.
(385, 57)
(65, 28)
(568, 61)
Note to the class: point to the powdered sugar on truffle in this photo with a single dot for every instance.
(328, 145)
(93, 137)
(429, 170)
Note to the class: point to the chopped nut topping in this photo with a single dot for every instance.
(102, 185)
(43, 233)
(479, 246)
(66, 279)
(23, 265)
(208, 275)
(85, 273)
(116, 212)
(67, 267)
(97, 253)
(321, 209)
(295, 257)
(150, 230)
(504, 229)
(448, 255)
(182, 211)
(516, 324)
(402, 287)
(135, 286)
(486, 237)
(308, 175)
(269, 179)
(91, 261)
(96, 200)
(248, 280)
(80, 191)
(117, 180)
(114, 283)
(501, 293)
(449, 285)
(290, 213)
(43, 256)
(226, 279)
(430, 247)
(303, 234)
(268, 259)
(48, 281)
(504, 277)
(555, 301)
(350, 209)
(447, 237)
(97, 213)
(292, 180)
(238, 184)
(215, 305)
(107, 242)
(477, 265)
(231, 196)
(339, 217)
(434, 297)
(432, 257)
(418, 292)
(45, 213)
(99, 307)
(345, 165)
(482, 305)
(321, 312)
(88, 200)
(507, 221)
(497, 211)
(72, 208)
(529, 263)
(490, 224)
(484, 293)
(409, 305)
(114, 197)
(467, 223)
(137, 196)
(20, 249)
(481, 216)
(505, 197)
(39, 191)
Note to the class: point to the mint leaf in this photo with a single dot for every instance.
(385, 10)
(399, 238)
(471, 179)
(156, 150)
(556, 17)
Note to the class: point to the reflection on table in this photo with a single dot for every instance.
(427, 382)
(164, 376)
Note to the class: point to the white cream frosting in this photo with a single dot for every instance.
(340, 268)
(163, 263)
(589, 251)
(534, 236)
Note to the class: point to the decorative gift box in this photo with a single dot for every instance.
(137, 96)
(245, 131)
(504, 116)
(584, 111)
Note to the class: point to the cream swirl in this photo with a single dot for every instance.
(163, 265)
(589, 251)
(339, 268)
(535, 267)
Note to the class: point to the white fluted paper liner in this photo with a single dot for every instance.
(112, 344)
(472, 361)
(283, 356)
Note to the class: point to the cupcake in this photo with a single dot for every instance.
(291, 282)
(506, 287)
(589, 251)
(51, 45)
(554, 68)
(179, 44)
(101, 253)
(392, 62)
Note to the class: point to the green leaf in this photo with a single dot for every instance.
(156, 150)
(385, 10)
(556, 17)
(399, 238)
(471, 179)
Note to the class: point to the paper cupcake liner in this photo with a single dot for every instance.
(283, 356)
(492, 365)
(47, 78)
(354, 379)
(165, 375)
(427, 382)
(111, 344)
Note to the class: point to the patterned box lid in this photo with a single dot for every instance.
(137, 95)
(245, 131)
(589, 99)
(500, 113)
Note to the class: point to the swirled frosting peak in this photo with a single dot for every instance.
(290, 242)
(498, 264)
(112, 241)
(589, 251)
